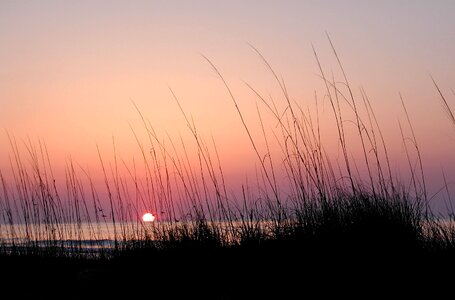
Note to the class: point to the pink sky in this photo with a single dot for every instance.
(69, 71)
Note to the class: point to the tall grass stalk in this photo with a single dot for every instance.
(320, 204)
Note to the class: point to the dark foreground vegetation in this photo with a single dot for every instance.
(357, 245)
(326, 230)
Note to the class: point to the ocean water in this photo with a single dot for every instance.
(92, 238)
(95, 237)
(82, 237)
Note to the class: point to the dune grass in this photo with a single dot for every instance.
(329, 219)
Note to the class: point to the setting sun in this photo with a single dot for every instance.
(148, 217)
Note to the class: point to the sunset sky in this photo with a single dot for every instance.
(71, 70)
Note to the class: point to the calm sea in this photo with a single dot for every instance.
(88, 237)
(96, 237)
(82, 236)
